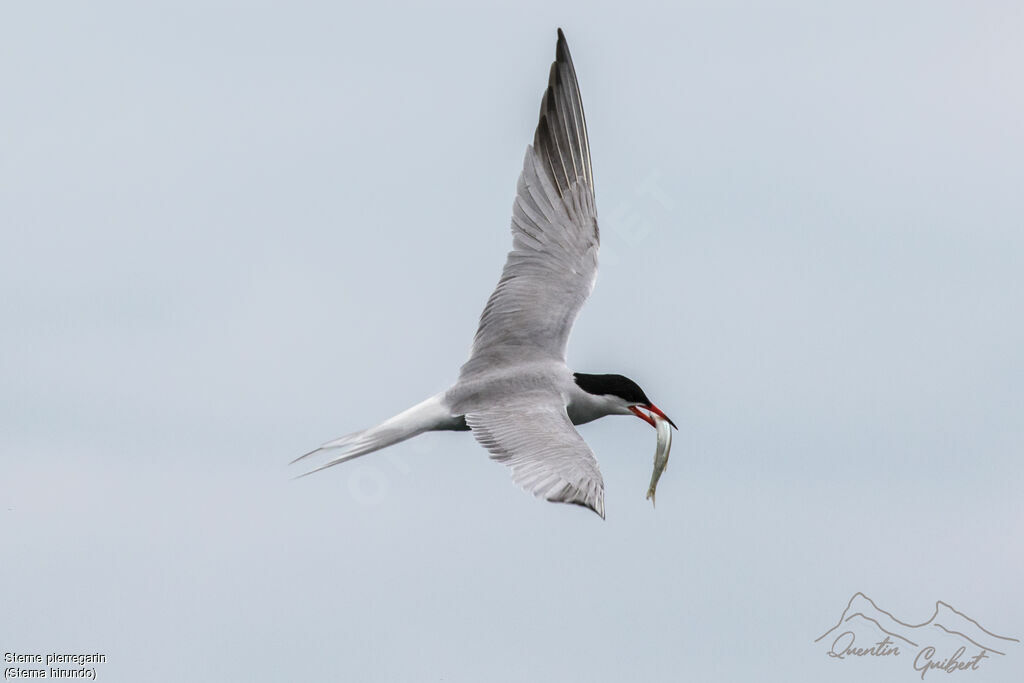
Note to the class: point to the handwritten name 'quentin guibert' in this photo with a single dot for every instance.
(843, 646)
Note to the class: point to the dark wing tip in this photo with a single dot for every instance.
(562, 49)
(560, 139)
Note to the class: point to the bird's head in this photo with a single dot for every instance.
(623, 396)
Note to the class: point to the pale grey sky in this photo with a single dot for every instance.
(224, 223)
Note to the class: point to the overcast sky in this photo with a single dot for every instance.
(230, 231)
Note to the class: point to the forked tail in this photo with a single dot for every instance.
(423, 417)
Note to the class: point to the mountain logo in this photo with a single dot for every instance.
(950, 641)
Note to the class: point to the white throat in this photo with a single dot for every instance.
(584, 407)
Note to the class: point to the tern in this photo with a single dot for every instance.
(515, 393)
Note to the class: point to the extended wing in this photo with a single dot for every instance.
(551, 269)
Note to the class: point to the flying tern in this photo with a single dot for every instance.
(515, 393)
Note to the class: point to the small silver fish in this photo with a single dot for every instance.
(661, 454)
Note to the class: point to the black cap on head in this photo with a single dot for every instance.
(614, 385)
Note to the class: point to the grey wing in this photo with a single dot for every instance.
(551, 269)
(547, 456)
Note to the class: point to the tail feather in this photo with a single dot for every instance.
(422, 417)
(333, 443)
(360, 447)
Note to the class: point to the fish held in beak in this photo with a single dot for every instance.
(664, 427)
(654, 410)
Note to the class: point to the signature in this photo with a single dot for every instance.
(923, 661)
(882, 635)
(843, 646)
